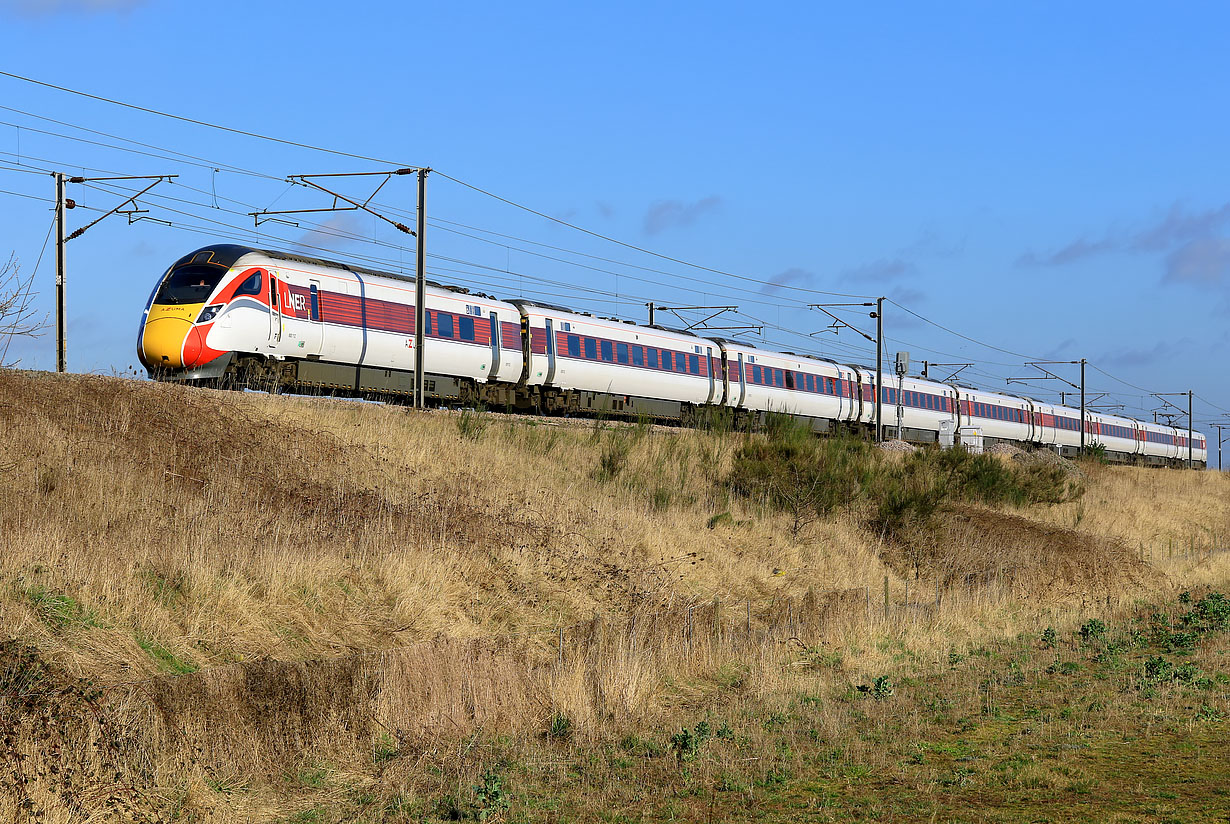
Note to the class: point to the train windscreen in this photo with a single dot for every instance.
(190, 283)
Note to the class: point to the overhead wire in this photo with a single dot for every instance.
(196, 122)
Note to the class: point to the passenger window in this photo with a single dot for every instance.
(574, 346)
(444, 325)
(251, 286)
(667, 360)
(427, 313)
(789, 380)
(638, 356)
(621, 352)
(694, 364)
(591, 349)
(755, 374)
(465, 325)
(607, 354)
(653, 357)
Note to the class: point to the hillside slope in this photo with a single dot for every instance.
(254, 581)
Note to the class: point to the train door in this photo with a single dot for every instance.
(550, 351)
(712, 377)
(275, 309)
(742, 383)
(495, 347)
(311, 333)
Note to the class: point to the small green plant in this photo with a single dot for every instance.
(879, 689)
(1092, 630)
(472, 423)
(385, 749)
(560, 727)
(614, 457)
(1050, 639)
(687, 743)
(1158, 669)
(164, 658)
(490, 797)
(60, 612)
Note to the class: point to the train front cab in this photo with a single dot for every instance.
(173, 328)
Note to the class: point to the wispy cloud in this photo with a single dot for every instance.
(605, 209)
(669, 214)
(1161, 352)
(879, 271)
(789, 277)
(1202, 261)
(1197, 253)
(46, 8)
(334, 232)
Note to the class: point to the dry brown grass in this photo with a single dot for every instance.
(257, 581)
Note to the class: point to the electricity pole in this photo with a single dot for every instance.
(1048, 375)
(134, 214)
(1189, 393)
(879, 366)
(61, 354)
(420, 292)
(838, 324)
(1221, 439)
(420, 284)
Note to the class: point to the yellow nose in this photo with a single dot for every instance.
(162, 342)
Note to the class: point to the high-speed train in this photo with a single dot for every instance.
(229, 315)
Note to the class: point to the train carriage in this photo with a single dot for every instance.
(235, 315)
(581, 363)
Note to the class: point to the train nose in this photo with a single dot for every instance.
(166, 329)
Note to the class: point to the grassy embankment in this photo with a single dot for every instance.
(247, 608)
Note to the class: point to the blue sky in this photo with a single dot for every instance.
(1046, 178)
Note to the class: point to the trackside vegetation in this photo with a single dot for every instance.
(224, 607)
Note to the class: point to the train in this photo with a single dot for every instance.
(235, 316)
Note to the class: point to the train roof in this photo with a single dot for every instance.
(226, 254)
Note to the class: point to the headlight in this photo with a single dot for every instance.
(209, 313)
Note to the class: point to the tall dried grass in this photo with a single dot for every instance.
(250, 579)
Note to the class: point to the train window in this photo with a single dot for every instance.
(591, 349)
(811, 383)
(638, 356)
(694, 364)
(315, 308)
(251, 286)
(444, 324)
(621, 352)
(667, 357)
(427, 322)
(608, 353)
(190, 283)
(465, 325)
(755, 374)
(789, 379)
(574, 346)
(652, 354)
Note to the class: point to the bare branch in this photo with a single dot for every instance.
(18, 316)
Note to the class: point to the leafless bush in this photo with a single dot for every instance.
(18, 317)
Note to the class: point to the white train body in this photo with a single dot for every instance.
(234, 313)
